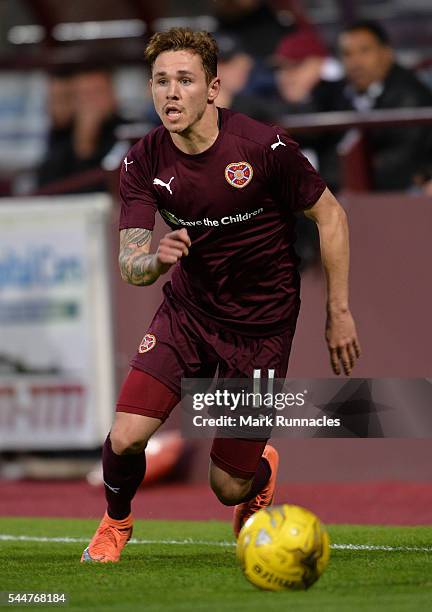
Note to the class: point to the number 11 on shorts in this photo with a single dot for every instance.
(257, 384)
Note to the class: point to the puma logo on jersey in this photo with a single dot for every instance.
(277, 143)
(126, 163)
(157, 181)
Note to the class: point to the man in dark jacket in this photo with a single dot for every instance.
(375, 81)
(88, 135)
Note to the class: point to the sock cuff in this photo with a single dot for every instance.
(122, 523)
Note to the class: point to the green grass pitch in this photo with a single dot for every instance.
(191, 567)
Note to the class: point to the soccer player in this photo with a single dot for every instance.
(228, 187)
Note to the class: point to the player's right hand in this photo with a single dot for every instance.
(172, 247)
(342, 341)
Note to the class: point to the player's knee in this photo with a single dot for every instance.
(130, 433)
(231, 491)
(226, 498)
(124, 443)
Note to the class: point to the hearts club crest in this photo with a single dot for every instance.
(238, 174)
(147, 343)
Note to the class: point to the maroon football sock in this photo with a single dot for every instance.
(260, 480)
(122, 475)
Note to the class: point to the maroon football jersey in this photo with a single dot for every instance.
(237, 201)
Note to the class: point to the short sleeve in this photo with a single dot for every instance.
(138, 202)
(293, 179)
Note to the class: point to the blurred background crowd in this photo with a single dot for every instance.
(74, 95)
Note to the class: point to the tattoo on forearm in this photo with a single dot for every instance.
(135, 236)
(137, 269)
(135, 265)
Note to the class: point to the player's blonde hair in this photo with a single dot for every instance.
(180, 39)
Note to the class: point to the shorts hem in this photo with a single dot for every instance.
(135, 363)
(231, 470)
(141, 412)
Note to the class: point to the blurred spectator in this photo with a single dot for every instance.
(301, 67)
(234, 70)
(302, 64)
(240, 78)
(305, 74)
(60, 106)
(427, 188)
(423, 180)
(253, 22)
(84, 119)
(375, 81)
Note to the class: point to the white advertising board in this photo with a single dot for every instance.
(56, 357)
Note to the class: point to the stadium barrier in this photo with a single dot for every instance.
(354, 157)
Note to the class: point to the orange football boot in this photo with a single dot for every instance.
(244, 510)
(109, 540)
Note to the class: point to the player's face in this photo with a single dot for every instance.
(365, 58)
(180, 91)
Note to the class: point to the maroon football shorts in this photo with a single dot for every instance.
(177, 345)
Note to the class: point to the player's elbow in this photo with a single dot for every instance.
(339, 216)
(335, 218)
(327, 211)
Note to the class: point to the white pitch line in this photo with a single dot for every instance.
(24, 538)
(381, 547)
(4, 537)
(367, 547)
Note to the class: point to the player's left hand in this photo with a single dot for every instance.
(342, 341)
